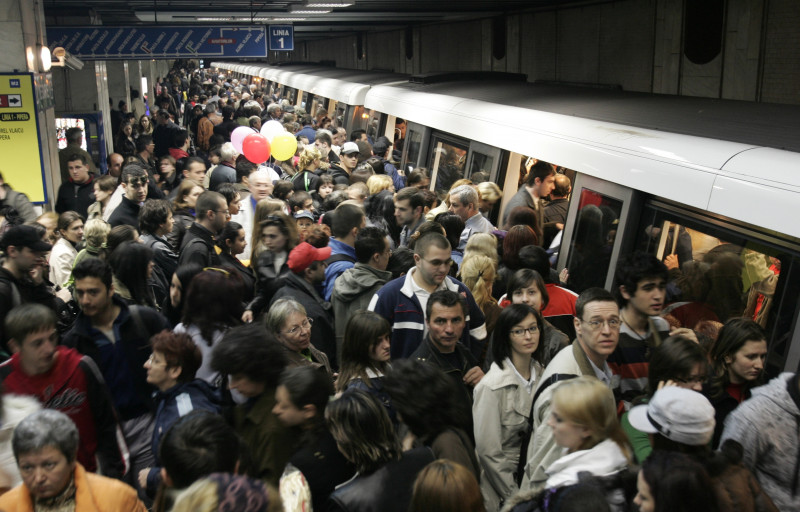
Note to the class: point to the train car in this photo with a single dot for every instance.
(715, 182)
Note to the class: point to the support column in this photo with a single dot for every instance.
(22, 37)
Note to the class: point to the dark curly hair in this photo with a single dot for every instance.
(428, 413)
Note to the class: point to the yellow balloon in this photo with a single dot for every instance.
(283, 146)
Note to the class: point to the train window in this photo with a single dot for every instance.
(447, 161)
(414, 146)
(721, 273)
(340, 108)
(593, 240)
(482, 159)
(373, 124)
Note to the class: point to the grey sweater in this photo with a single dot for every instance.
(768, 428)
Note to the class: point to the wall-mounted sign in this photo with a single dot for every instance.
(21, 164)
(281, 38)
(162, 42)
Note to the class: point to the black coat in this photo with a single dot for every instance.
(75, 197)
(323, 335)
(387, 489)
(127, 213)
(323, 466)
(198, 247)
(267, 281)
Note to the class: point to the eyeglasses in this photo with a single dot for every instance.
(692, 379)
(137, 183)
(613, 323)
(439, 263)
(522, 332)
(306, 325)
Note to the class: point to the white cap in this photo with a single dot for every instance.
(350, 147)
(679, 414)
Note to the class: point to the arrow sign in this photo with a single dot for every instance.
(15, 100)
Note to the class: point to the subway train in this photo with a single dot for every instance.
(716, 182)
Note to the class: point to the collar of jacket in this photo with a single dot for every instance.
(298, 282)
(582, 359)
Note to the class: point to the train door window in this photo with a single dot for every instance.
(720, 272)
(415, 146)
(304, 101)
(340, 108)
(447, 161)
(482, 159)
(599, 213)
(374, 121)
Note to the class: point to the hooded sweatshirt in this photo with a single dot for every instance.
(768, 428)
(352, 291)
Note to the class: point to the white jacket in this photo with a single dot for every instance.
(500, 411)
(15, 409)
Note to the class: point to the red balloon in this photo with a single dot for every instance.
(256, 148)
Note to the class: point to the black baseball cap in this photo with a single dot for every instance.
(24, 236)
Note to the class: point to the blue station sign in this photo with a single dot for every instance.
(281, 38)
(161, 42)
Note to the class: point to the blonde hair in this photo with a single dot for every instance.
(264, 208)
(489, 191)
(307, 157)
(482, 243)
(477, 273)
(95, 232)
(379, 182)
(588, 402)
(203, 496)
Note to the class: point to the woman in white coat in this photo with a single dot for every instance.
(502, 400)
(583, 417)
(70, 227)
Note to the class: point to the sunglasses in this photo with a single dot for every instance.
(138, 182)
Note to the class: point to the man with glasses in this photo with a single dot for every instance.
(597, 323)
(307, 265)
(22, 274)
(198, 243)
(403, 301)
(134, 184)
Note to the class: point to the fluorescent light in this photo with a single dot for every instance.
(303, 10)
(329, 3)
(214, 19)
(288, 19)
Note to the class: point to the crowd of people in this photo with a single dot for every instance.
(195, 331)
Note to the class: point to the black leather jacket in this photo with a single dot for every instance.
(388, 489)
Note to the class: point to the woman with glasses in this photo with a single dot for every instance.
(527, 287)
(279, 236)
(502, 400)
(677, 361)
(288, 322)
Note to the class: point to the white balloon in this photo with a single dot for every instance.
(272, 128)
(238, 135)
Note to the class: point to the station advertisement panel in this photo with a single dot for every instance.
(21, 164)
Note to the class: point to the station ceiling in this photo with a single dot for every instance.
(360, 15)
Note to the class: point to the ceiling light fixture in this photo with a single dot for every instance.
(303, 10)
(329, 3)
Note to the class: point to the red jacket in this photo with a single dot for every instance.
(75, 386)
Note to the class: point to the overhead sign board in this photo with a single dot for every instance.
(19, 136)
(281, 38)
(162, 42)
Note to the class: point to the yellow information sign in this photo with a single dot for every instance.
(20, 154)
